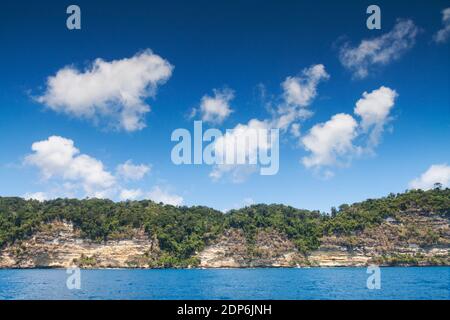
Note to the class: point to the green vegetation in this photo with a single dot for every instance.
(303, 227)
(183, 231)
(85, 261)
(409, 260)
(361, 215)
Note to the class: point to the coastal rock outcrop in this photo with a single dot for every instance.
(409, 238)
(412, 238)
(269, 249)
(59, 245)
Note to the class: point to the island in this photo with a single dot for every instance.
(404, 229)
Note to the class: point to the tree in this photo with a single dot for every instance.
(333, 212)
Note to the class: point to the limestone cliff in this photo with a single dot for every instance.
(270, 249)
(58, 245)
(411, 238)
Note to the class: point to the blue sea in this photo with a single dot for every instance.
(309, 283)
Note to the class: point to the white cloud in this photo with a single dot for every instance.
(130, 194)
(379, 51)
(158, 194)
(236, 173)
(288, 116)
(113, 91)
(443, 34)
(217, 108)
(295, 130)
(437, 173)
(57, 157)
(130, 171)
(227, 144)
(39, 196)
(74, 174)
(298, 93)
(336, 141)
(331, 141)
(374, 109)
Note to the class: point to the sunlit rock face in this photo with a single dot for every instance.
(412, 238)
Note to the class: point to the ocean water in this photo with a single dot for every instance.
(310, 283)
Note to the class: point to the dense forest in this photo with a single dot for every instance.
(183, 231)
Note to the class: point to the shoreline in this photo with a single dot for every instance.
(237, 268)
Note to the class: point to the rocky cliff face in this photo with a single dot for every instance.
(58, 245)
(233, 251)
(409, 238)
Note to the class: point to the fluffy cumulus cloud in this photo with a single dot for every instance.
(298, 93)
(74, 174)
(301, 90)
(379, 51)
(328, 142)
(159, 194)
(374, 109)
(57, 157)
(130, 171)
(342, 137)
(215, 109)
(443, 34)
(113, 91)
(437, 173)
(228, 144)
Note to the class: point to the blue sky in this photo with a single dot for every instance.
(249, 48)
